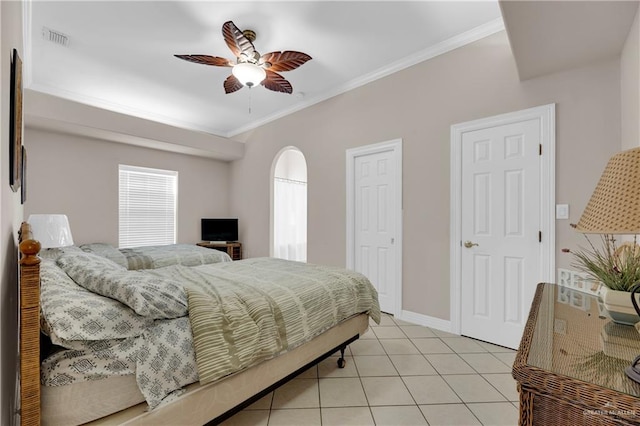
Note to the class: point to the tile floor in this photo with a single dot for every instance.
(398, 374)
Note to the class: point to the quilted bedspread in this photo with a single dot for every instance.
(244, 312)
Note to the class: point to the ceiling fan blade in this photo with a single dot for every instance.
(276, 82)
(236, 41)
(284, 61)
(206, 60)
(232, 84)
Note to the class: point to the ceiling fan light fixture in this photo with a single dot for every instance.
(249, 74)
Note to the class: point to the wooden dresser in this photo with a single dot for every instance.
(570, 364)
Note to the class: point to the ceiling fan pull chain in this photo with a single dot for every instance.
(249, 100)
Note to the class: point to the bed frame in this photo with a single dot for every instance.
(29, 325)
(200, 404)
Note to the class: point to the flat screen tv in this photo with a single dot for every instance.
(219, 230)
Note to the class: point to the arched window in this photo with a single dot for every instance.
(289, 205)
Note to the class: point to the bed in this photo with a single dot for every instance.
(253, 325)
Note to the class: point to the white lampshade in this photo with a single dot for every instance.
(248, 74)
(51, 230)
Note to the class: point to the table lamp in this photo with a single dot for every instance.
(51, 230)
(614, 208)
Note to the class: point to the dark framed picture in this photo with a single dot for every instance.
(15, 123)
(23, 189)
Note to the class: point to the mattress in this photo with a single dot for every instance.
(82, 402)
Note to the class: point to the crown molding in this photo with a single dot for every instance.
(123, 109)
(441, 48)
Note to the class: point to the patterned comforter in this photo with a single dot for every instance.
(245, 312)
(178, 324)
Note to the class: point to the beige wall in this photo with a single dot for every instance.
(78, 176)
(630, 87)
(419, 105)
(10, 219)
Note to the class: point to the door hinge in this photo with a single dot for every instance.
(539, 149)
(539, 236)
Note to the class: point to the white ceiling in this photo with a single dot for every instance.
(120, 53)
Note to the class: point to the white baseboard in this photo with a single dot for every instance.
(426, 321)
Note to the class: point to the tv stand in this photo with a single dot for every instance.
(233, 248)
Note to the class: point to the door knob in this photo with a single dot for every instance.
(469, 244)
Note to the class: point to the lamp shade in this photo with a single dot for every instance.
(51, 230)
(614, 207)
(248, 74)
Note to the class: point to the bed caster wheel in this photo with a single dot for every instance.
(341, 362)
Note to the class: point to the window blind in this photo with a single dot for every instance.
(147, 206)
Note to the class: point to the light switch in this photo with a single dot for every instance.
(562, 211)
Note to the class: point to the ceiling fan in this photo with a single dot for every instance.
(250, 68)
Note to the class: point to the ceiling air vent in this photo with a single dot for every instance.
(55, 36)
